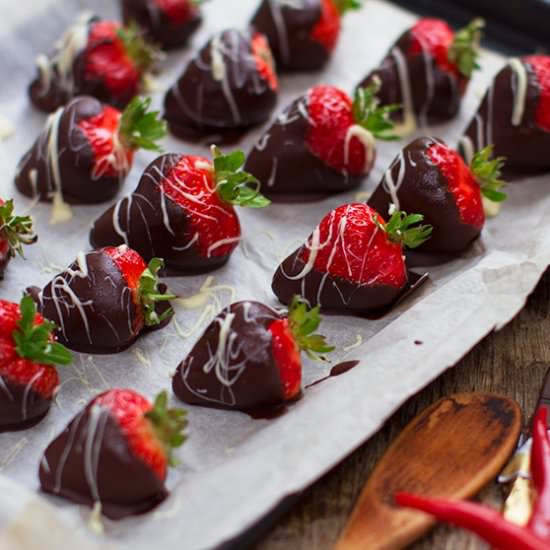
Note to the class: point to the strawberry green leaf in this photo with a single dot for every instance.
(487, 172)
(141, 128)
(344, 6)
(234, 185)
(168, 424)
(464, 50)
(150, 295)
(16, 229)
(142, 53)
(304, 321)
(34, 341)
(402, 228)
(368, 114)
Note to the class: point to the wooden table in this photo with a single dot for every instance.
(511, 362)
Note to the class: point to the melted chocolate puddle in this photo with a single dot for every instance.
(337, 370)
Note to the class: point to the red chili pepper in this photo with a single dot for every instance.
(488, 523)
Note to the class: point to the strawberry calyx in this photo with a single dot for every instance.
(141, 128)
(17, 230)
(344, 6)
(368, 114)
(234, 185)
(464, 51)
(304, 321)
(168, 425)
(487, 172)
(403, 229)
(142, 53)
(149, 294)
(34, 341)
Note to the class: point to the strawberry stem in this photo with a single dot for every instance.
(150, 295)
(168, 424)
(402, 228)
(233, 184)
(142, 53)
(16, 229)
(34, 341)
(304, 321)
(368, 114)
(464, 50)
(141, 128)
(344, 6)
(487, 172)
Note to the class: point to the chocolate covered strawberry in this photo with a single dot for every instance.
(323, 143)
(229, 86)
(182, 211)
(94, 57)
(114, 455)
(249, 357)
(28, 353)
(430, 178)
(427, 71)
(15, 231)
(86, 150)
(105, 300)
(514, 116)
(168, 23)
(353, 261)
(302, 34)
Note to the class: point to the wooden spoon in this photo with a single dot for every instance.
(450, 450)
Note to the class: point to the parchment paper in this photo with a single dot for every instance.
(234, 469)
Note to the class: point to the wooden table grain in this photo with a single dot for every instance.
(510, 362)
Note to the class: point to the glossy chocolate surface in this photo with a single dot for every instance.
(220, 90)
(420, 188)
(232, 366)
(91, 462)
(287, 169)
(62, 160)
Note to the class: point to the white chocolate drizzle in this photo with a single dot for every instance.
(520, 90)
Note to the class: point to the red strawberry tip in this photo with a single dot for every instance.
(487, 171)
(34, 339)
(304, 321)
(168, 425)
(150, 295)
(404, 229)
(464, 51)
(234, 185)
(17, 230)
(140, 128)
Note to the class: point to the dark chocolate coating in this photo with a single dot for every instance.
(154, 225)
(331, 293)
(203, 102)
(69, 149)
(436, 94)
(91, 461)
(51, 92)
(157, 25)
(285, 166)
(525, 146)
(288, 29)
(94, 311)
(20, 406)
(424, 190)
(237, 372)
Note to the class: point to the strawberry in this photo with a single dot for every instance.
(514, 116)
(322, 143)
(302, 34)
(15, 231)
(105, 300)
(353, 260)
(95, 57)
(28, 353)
(432, 179)
(183, 209)
(86, 151)
(264, 59)
(168, 23)
(132, 439)
(427, 71)
(249, 357)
